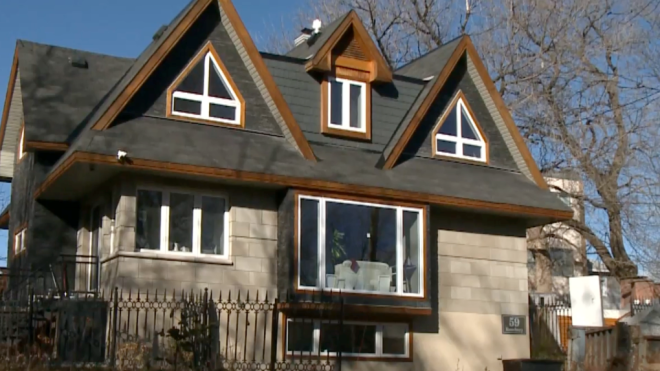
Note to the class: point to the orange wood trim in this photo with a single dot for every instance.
(46, 146)
(438, 125)
(381, 70)
(506, 115)
(150, 66)
(267, 78)
(303, 183)
(325, 116)
(9, 95)
(4, 220)
(391, 160)
(208, 48)
(355, 64)
(359, 198)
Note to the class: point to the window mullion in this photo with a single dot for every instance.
(197, 223)
(164, 221)
(459, 128)
(379, 340)
(321, 243)
(317, 337)
(346, 104)
(399, 251)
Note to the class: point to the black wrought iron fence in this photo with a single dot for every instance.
(161, 330)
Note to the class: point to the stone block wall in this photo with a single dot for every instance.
(481, 275)
(252, 246)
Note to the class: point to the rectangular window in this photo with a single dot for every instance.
(359, 247)
(347, 101)
(19, 241)
(180, 222)
(358, 339)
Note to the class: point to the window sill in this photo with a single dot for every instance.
(353, 134)
(171, 256)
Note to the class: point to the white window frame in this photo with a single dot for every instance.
(379, 339)
(206, 100)
(400, 259)
(19, 241)
(458, 139)
(197, 221)
(346, 105)
(100, 247)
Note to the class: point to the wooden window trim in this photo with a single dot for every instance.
(20, 148)
(208, 48)
(325, 113)
(22, 229)
(423, 251)
(450, 107)
(377, 321)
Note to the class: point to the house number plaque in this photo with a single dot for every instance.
(514, 324)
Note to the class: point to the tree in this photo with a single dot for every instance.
(582, 80)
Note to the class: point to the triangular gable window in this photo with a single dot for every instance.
(205, 91)
(458, 135)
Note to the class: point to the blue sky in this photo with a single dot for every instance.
(119, 27)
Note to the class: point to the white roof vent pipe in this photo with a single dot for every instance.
(307, 33)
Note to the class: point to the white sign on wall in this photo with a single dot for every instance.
(586, 301)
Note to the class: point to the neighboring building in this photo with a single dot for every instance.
(204, 163)
(557, 251)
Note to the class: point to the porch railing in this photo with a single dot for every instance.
(68, 275)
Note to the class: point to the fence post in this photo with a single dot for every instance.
(578, 349)
(113, 330)
(273, 334)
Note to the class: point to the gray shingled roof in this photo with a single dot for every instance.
(431, 63)
(57, 96)
(169, 141)
(307, 50)
(139, 63)
(425, 66)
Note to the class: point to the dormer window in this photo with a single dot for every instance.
(458, 135)
(205, 92)
(347, 105)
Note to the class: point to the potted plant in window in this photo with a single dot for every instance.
(337, 255)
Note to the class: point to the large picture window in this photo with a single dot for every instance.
(359, 247)
(353, 339)
(180, 222)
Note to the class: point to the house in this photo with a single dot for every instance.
(557, 251)
(204, 163)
